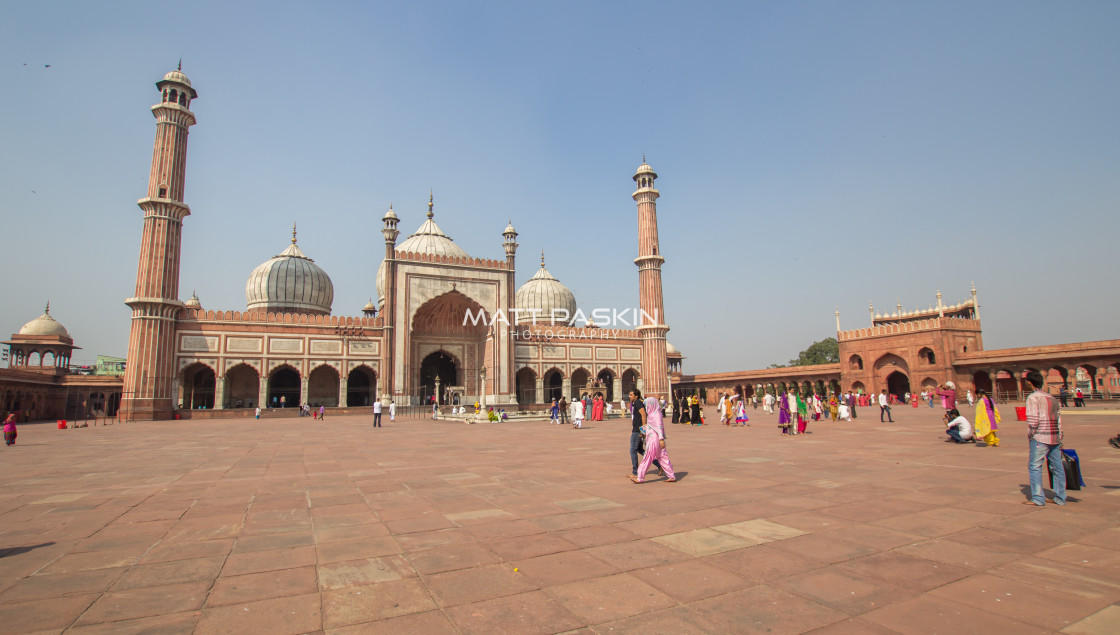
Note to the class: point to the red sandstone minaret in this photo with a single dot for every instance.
(651, 321)
(149, 373)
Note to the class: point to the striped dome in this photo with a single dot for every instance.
(290, 283)
(545, 300)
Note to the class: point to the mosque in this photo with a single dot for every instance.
(447, 325)
(453, 327)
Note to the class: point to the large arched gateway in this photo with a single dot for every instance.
(449, 345)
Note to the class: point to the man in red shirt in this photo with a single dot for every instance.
(1044, 431)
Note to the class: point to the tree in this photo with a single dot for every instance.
(826, 351)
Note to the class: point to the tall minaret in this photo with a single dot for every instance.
(508, 381)
(150, 371)
(651, 322)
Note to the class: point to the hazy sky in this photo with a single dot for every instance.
(812, 155)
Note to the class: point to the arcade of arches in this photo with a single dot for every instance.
(554, 384)
(199, 389)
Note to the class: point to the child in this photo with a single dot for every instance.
(10, 429)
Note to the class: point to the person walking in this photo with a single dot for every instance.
(258, 412)
(656, 452)
(1044, 432)
(577, 413)
(377, 413)
(554, 413)
(884, 407)
(638, 422)
(563, 407)
(697, 419)
(392, 411)
(1078, 398)
(784, 414)
(10, 432)
(322, 412)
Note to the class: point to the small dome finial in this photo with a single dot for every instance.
(643, 157)
(431, 204)
(48, 309)
(180, 69)
(293, 233)
(542, 259)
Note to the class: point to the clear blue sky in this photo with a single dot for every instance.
(812, 155)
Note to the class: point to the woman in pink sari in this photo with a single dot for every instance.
(655, 444)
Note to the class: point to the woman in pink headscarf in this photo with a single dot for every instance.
(655, 444)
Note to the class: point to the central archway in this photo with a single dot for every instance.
(898, 384)
(438, 364)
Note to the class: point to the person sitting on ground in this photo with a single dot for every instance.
(959, 429)
(491, 415)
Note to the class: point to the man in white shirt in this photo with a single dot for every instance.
(577, 413)
(959, 429)
(884, 407)
(377, 413)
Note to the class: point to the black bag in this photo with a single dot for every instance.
(1071, 465)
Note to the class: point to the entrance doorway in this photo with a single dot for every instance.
(283, 388)
(898, 384)
(439, 365)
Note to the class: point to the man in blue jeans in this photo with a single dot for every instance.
(1044, 430)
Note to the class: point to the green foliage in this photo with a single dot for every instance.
(826, 351)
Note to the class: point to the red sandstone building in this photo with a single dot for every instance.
(908, 351)
(287, 347)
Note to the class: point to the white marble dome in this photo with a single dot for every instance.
(290, 283)
(430, 239)
(44, 325)
(540, 296)
(670, 349)
(178, 77)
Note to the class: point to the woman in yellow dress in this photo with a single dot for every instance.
(987, 419)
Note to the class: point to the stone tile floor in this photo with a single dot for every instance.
(294, 526)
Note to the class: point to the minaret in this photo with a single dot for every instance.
(149, 374)
(388, 314)
(509, 243)
(651, 321)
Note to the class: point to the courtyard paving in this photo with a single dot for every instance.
(292, 526)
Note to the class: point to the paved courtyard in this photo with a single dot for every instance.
(293, 526)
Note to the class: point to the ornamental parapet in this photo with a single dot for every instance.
(443, 259)
(943, 323)
(259, 317)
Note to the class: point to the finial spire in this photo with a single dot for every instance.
(643, 157)
(431, 204)
(180, 64)
(542, 259)
(48, 309)
(293, 233)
